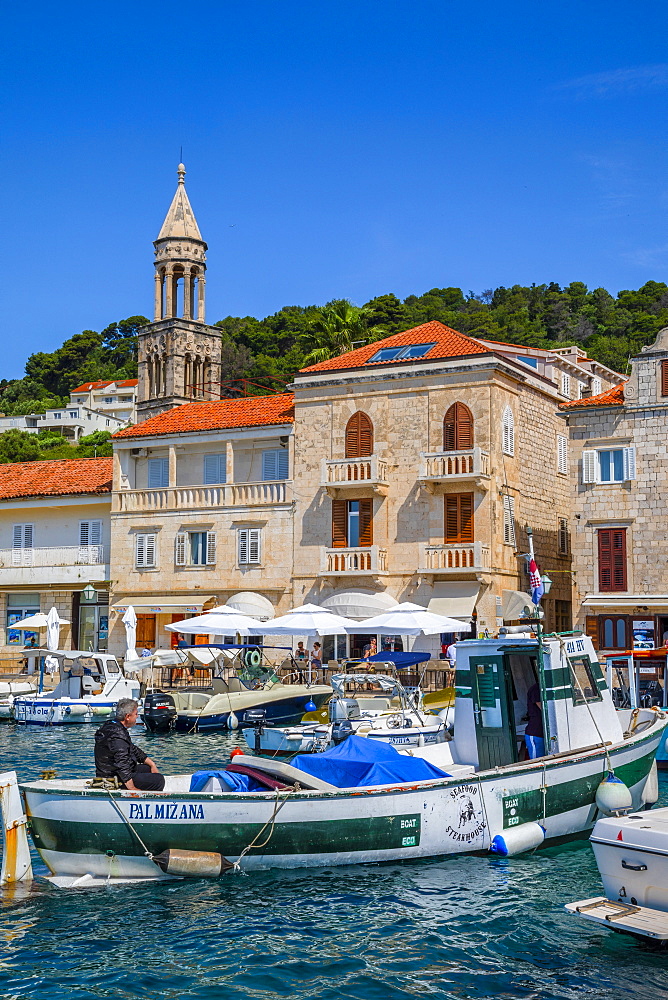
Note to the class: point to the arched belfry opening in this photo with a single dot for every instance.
(179, 354)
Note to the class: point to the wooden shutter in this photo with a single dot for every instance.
(158, 473)
(215, 469)
(144, 550)
(359, 436)
(664, 377)
(562, 534)
(145, 631)
(339, 524)
(562, 455)
(270, 464)
(591, 629)
(588, 466)
(282, 463)
(366, 522)
(629, 463)
(211, 548)
(22, 536)
(459, 517)
(180, 543)
(90, 533)
(509, 520)
(242, 545)
(611, 559)
(458, 428)
(508, 432)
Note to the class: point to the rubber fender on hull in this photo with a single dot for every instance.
(650, 792)
(518, 839)
(612, 796)
(192, 864)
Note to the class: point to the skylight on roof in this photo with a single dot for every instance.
(401, 353)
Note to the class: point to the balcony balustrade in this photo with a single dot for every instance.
(265, 493)
(452, 559)
(54, 564)
(368, 561)
(440, 467)
(54, 555)
(341, 477)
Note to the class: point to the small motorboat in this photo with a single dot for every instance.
(632, 857)
(224, 682)
(89, 688)
(392, 715)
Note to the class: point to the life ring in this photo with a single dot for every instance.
(252, 658)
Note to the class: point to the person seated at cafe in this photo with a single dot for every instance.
(300, 652)
(116, 756)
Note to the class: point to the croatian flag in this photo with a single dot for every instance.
(536, 583)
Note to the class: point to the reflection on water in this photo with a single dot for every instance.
(462, 928)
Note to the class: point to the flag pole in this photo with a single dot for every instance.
(541, 662)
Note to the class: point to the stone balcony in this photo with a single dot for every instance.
(368, 561)
(181, 498)
(54, 564)
(461, 468)
(352, 477)
(452, 560)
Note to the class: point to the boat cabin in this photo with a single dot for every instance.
(83, 674)
(492, 681)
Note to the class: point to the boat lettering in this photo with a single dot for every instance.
(575, 646)
(467, 821)
(408, 841)
(166, 810)
(523, 808)
(408, 823)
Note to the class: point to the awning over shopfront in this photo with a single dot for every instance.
(358, 604)
(626, 602)
(454, 599)
(163, 603)
(247, 602)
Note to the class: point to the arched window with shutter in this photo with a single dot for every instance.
(359, 436)
(458, 428)
(508, 432)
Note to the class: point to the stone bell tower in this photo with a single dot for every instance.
(179, 355)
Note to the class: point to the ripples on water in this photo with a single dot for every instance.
(463, 928)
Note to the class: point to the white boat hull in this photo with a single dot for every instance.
(78, 830)
(61, 711)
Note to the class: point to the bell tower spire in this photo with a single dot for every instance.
(179, 354)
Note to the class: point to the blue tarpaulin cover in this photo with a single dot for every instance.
(399, 659)
(235, 782)
(359, 761)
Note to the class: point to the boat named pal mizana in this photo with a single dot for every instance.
(348, 805)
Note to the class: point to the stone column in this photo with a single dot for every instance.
(229, 462)
(172, 466)
(169, 291)
(157, 312)
(187, 295)
(200, 299)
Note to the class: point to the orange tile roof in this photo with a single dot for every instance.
(448, 343)
(614, 396)
(124, 383)
(66, 477)
(251, 411)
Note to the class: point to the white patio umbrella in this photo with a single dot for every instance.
(218, 621)
(39, 620)
(407, 619)
(308, 620)
(52, 639)
(129, 619)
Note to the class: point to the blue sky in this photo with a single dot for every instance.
(333, 148)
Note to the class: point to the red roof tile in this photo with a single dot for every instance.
(448, 343)
(124, 383)
(67, 477)
(251, 411)
(614, 396)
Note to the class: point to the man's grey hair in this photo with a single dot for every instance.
(125, 707)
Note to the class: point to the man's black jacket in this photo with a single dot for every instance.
(115, 753)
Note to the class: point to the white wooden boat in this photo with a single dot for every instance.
(89, 688)
(487, 792)
(9, 689)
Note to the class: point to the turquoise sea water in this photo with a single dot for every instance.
(463, 928)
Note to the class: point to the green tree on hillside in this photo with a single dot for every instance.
(334, 331)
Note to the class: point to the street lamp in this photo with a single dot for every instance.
(89, 594)
(547, 583)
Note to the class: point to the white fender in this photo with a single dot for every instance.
(232, 721)
(612, 796)
(650, 792)
(516, 840)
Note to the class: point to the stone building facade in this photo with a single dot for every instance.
(619, 465)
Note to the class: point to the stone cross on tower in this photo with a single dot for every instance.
(179, 355)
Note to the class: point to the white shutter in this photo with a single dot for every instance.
(629, 463)
(242, 545)
(84, 533)
(509, 520)
(180, 543)
(150, 550)
(96, 532)
(282, 464)
(215, 469)
(254, 545)
(28, 530)
(596, 386)
(588, 466)
(562, 455)
(565, 384)
(270, 464)
(17, 537)
(508, 431)
(211, 548)
(158, 473)
(140, 550)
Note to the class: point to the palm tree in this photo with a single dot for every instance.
(333, 332)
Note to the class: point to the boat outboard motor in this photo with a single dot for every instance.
(341, 730)
(343, 708)
(255, 718)
(159, 712)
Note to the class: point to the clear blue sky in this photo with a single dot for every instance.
(334, 148)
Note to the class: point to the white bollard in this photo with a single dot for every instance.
(16, 863)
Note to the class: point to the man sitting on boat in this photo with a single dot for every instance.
(117, 756)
